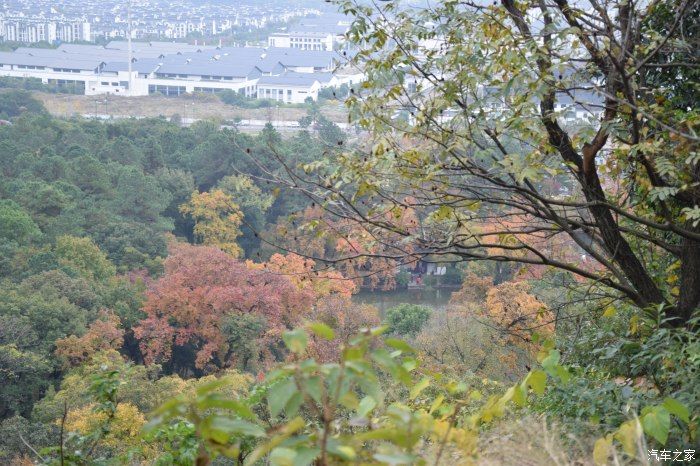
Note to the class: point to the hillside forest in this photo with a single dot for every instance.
(194, 295)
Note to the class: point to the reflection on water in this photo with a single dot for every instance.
(383, 300)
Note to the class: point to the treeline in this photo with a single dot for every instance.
(122, 183)
(86, 208)
(148, 251)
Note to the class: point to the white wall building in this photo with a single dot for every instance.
(281, 74)
(32, 30)
(303, 40)
(291, 88)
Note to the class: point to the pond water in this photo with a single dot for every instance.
(383, 300)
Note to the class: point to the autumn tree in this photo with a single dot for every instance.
(201, 288)
(253, 203)
(104, 333)
(303, 272)
(217, 220)
(502, 99)
(345, 318)
(323, 239)
(517, 314)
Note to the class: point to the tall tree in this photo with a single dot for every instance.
(201, 289)
(217, 220)
(530, 128)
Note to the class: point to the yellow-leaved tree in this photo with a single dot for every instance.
(217, 220)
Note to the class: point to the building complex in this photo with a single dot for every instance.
(287, 75)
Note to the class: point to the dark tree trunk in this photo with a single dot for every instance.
(689, 286)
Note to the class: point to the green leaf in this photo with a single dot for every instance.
(295, 340)
(399, 345)
(553, 368)
(312, 386)
(657, 423)
(419, 387)
(395, 458)
(342, 451)
(211, 386)
(436, 403)
(294, 403)
(279, 395)
(537, 380)
(237, 407)
(322, 330)
(305, 456)
(519, 395)
(281, 456)
(366, 406)
(222, 428)
(677, 409)
(551, 360)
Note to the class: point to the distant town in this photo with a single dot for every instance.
(32, 21)
(177, 50)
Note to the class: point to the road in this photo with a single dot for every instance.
(243, 125)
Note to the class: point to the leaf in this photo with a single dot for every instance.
(305, 456)
(436, 403)
(553, 368)
(677, 409)
(322, 330)
(628, 435)
(281, 456)
(237, 407)
(537, 381)
(342, 451)
(419, 387)
(519, 395)
(395, 458)
(295, 340)
(294, 403)
(610, 311)
(601, 449)
(366, 406)
(313, 387)
(444, 212)
(279, 395)
(211, 386)
(222, 428)
(551, 361)
(657, 423)
(399, 345)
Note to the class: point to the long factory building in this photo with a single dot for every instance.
(287, 75)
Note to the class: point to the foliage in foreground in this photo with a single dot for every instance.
(375, 404)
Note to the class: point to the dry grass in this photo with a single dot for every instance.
(189, 106)
(533, 441)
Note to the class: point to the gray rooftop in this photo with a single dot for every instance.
(174, 58)
(289, 79)
(55, 61)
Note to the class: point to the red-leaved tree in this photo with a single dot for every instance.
(201, 292)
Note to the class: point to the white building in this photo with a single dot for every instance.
(303, 40)
(32, 30)
(316, 33)
(292, 88)
(281, 74)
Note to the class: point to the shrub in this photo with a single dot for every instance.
(407, 319)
